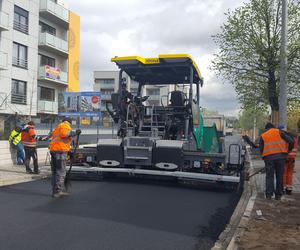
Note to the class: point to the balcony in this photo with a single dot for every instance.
(53, 44)
(4, 22)
(53, 75)
(54, 12)
(47, 107)
(3, 60)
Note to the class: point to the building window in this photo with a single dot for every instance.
(47, 28)
(153, 92)
(105, 81)
(21, 20)
(47, 94)
(18, 92)
(19, 55)
(46, 60)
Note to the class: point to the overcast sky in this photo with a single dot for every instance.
(151, 27)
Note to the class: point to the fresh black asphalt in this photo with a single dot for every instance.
(112, 215)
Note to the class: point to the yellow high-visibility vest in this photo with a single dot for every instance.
(15, 137)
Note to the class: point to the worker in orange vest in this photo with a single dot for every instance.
(29, 139)
(289, 168)
(273, 145)
(61, 138)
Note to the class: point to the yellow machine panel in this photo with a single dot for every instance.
(74, 52)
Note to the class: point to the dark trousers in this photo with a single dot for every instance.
(277, 167)
(58, 169)
(30, 152)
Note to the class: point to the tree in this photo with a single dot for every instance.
(249, 55)
(247, 117)
(293, 116)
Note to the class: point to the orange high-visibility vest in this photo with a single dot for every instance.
(273, 143)
(29, 137)
(60, 140)
(292, 154)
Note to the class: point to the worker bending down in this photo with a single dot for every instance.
(61, 138)
(289, 168)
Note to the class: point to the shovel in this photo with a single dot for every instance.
(248, 175)
(67, 179)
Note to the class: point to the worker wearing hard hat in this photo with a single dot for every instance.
(274, 150)
(61, 138)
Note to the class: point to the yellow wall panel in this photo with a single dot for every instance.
(74, 52)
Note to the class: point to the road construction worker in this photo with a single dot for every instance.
(273, 146)
(61, 138)
(289, 168)
(29, 140)
(15, 140)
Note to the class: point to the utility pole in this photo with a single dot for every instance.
(283, 66)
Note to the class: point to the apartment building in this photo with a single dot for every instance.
(107, 82)
(39, 57)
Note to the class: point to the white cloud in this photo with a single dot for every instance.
(152, 27)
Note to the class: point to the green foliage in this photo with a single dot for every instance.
(293, 116)
(247, 117)
(249, 51)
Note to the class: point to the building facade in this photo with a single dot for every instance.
(39, 58)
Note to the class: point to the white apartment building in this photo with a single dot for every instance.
(107, 82)
(36, 57)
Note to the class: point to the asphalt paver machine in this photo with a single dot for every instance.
(167, 137)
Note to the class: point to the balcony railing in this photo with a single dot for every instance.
(19, 62)
(21, 27)
(4, 21)
(47, 107)
(54, 9)
(107, 86)
(3, 60)
(18, 98)
(46, 39)
(52, 74)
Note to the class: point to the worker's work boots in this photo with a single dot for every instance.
(60, 194)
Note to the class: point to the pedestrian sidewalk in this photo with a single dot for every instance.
(10, 175)
(272, 224)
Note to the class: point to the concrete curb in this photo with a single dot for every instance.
(238, 222)
(22, 179)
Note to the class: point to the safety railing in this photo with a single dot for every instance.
(21, 26)
(18, 98)
(20, 62)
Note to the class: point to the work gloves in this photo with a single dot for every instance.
(78, 131)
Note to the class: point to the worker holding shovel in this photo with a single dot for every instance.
(61, 138)
(273, 145)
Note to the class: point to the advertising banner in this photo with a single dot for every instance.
(84, 104)
(52, 72)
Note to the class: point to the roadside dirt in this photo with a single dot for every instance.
(276, 227)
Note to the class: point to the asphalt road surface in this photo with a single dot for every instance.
(112, 215)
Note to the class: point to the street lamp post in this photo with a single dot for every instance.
(283, 66)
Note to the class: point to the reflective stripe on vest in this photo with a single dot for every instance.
(27, 137)
(15, 137)
(273, 143)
